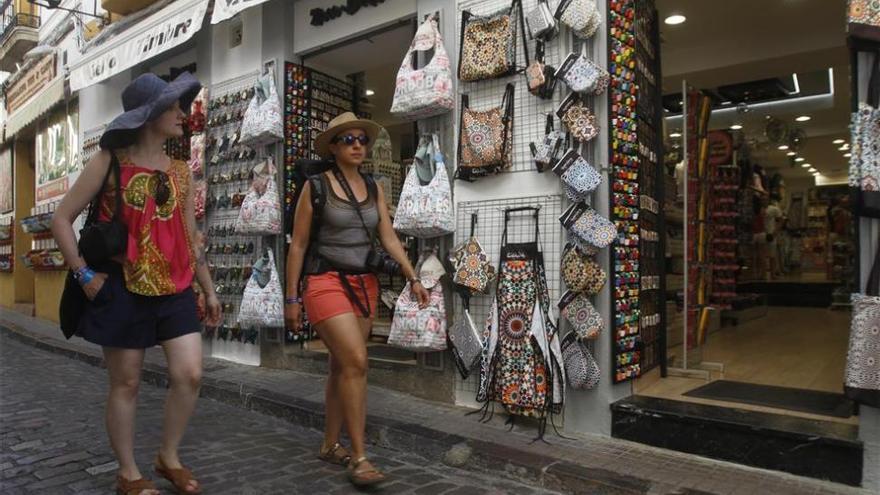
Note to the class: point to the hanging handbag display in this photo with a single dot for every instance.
(578, 176)
(578, 118)
(416, 329)
(488, 43)
(262, 123)
(485, 144)
(467, 345)
(581, 16)
(541, 22)
(262, 304)
(473, 270)
(581, 369)
(260, 211)
(426, 211)
(588, 226)
(546, 154)
(862, 375)
(425, 92)
(579, 272)
(577, 309)
(101, 241)
(541, 77)
(865, 12)
(864, 161)
(582, 75)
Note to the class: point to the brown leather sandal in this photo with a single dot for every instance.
(337, 454)
(365, 477)
(126, 486)
(180, 478)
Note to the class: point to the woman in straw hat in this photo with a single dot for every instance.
(141, 295)
(340, 289)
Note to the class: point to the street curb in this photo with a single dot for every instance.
(535, 469)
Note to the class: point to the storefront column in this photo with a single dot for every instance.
(22, 290)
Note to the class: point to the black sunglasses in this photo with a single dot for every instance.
(163, 189)
(349, 139)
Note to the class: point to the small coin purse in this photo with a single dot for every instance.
(578, 175)
(579, 120)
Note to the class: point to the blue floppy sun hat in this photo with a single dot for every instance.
(143, 100)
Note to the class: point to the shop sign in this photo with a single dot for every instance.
(7, 194)
(224, 9)
(30, 84)
(321, 23)
(720, 148)
(320, 16)
(57, 155)
(162, 31)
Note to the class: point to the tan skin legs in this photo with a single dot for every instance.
(345, 336)
(184, 356)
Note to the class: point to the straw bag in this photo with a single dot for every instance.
(263, 302)
(862, 377)
(262, 123)
(425, 92)
(260, 211)
(426, 211)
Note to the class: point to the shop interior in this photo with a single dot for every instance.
(359, 75)
(778, 239)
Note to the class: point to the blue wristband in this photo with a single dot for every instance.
(85, 275)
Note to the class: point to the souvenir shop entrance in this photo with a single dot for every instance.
(760, 239)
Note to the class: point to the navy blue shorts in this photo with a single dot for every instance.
(120, 318)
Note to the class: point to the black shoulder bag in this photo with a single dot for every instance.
(101, 241)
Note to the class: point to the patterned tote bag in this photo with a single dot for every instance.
(263, 302)
(426, 211)
(580, 273)
(485, 144)
(582, 315)
(583, 75)
(587, 226)
(467, 345)
(864, 162)
(473, 270)
(578, 118)
(578, 176)
(862, 376)
(260, 211)
(488, 43)
(581, 368)
(262, 123)
(581, 16)
(420, 330)
(425, 92)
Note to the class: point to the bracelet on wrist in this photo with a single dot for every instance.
(84, 275)
(414, 281)
(293, 300)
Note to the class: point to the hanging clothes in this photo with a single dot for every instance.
(521, 366)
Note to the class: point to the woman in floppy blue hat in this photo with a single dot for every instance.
(140, 294)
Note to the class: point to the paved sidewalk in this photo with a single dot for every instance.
(584, 464)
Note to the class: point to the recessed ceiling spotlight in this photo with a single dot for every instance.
(369, 92)
(736, 127)
(805, 165)
(847, 155)
(812, 170)
(791, 153)
(816, 174)
(799, 159)
(675, 135)
(803, 118)
(675, 19)
(843, 148)
(838, 141)
(783, 147)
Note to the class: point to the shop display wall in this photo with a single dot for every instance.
(725, 216)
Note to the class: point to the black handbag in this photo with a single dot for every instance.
(101, 241)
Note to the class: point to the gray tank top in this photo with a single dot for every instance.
(341, 237)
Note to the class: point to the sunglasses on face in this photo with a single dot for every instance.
(349, 139)
(163, 189)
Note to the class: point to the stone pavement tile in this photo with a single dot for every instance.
(434, 489)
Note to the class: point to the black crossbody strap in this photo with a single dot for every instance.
(517, 4)
(346, 188)
(506, 119)
(95, 206)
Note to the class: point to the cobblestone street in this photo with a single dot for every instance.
(52, 440)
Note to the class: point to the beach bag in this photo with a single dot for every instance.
(581, 16)
(260, 211)
(262, 123)
(485, 143)
(262, 304)
(420, 330)
(425, 92)
(488, 43)
(426, 211)
(862, 374)
(581, 369)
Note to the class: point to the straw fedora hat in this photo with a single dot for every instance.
(344, 122)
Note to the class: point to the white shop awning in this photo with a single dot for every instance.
(225, 9)
(167, 28)
(38, 105)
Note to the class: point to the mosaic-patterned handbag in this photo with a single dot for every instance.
(578, 175)
(588, 226)
(541, 77)
(864, 12)
(260, 211)
(485, 144)
(425, 92)
(420, 330)
(578, 118)
(488, 43)
(262, 123)
(473, 269)
(583, 75)
(862, 375)
(582, 16)
(263, 302)
(581, 370)
(426, 211)
(541, 22)
(864, 162)
(579, 272)
(577, 309)
(467, 346)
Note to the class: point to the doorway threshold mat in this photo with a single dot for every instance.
(793, 399)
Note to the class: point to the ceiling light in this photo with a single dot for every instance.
(675, 19)
(783, 147)
(812, 170)
(847, 155)
(369, 92)
(805, 165)
(792, 153)
(803, 118)
(799, 159)
(816, 174)
(838, 141)
(736, 127)
(675, 135)
(843, 148)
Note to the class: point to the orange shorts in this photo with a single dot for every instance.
(326, 297)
